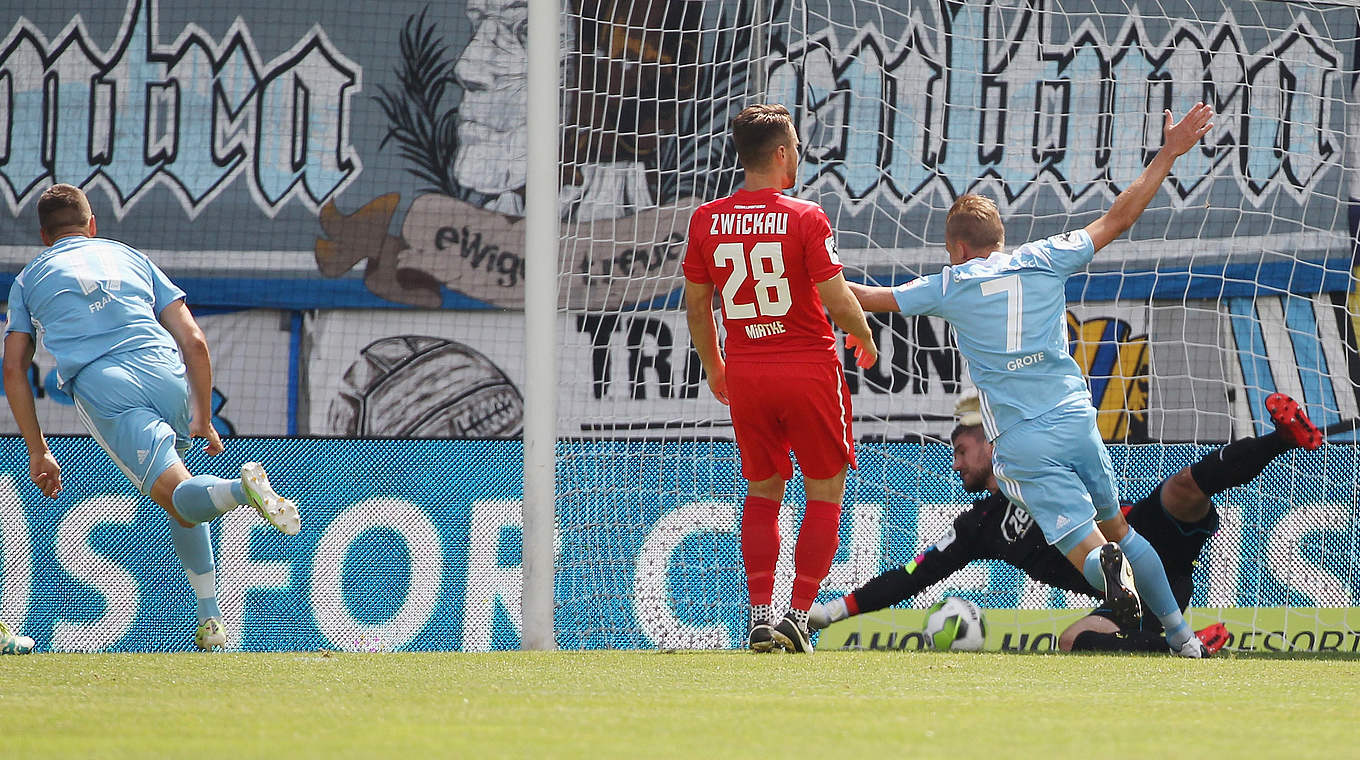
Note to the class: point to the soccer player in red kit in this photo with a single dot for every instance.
(772, 260)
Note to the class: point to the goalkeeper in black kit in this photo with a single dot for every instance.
(1177, 518)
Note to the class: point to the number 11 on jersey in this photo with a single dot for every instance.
(766, 263)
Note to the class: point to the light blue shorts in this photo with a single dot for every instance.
(1057, 468)
(136, 405)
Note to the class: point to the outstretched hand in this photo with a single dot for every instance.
(1180, 137)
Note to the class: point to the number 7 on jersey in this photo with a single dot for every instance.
(1015, 307)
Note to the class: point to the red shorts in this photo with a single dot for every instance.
(802, 407)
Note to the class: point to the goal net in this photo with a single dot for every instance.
(340, 189)
(1236, 283)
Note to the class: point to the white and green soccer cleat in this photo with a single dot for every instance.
(277, 511)
(13, 643)
(211, 633)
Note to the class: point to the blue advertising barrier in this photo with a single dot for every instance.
(415, 545)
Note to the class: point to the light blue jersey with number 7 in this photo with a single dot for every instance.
(1007, 311)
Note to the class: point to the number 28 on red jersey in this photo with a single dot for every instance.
(764, 252)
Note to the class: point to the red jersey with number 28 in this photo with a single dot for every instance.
(764, 252)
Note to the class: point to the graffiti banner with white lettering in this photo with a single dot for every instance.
(351, 156)
(1052, 108)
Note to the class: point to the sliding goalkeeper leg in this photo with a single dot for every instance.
(1178, 518)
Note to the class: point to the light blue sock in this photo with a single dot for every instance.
(1091, 569)
(1150, 578)
(205, 497)
(194, 548)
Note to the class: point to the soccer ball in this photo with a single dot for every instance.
(955, 623)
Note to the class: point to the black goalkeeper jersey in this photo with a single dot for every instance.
(994, 528)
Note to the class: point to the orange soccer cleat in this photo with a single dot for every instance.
(1292, 423)
(1213, 638)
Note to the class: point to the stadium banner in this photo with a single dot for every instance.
(635, 374)
(254, 386)
(415, 545)
(1267, 629)
(402, 374)
(296, 157)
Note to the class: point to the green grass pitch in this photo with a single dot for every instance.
(680, 704)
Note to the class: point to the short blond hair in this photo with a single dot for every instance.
(62, 206)
(973, 219)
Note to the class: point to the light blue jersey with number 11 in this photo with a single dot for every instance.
(1007, 311)
(89, 298)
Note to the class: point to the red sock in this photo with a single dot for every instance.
(760, 547)
(817, 540)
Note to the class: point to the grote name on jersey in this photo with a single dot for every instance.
(770, 223)
(764, 329)
(1025, 361)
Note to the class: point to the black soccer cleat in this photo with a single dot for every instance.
(792, 637)
(1121, 598)
(761, 638)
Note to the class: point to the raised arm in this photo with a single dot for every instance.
(193, 347)
(43, 469)
(703, 330)
(1177, 139)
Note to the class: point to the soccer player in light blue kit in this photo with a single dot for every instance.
(124, 343)
(1007, 313)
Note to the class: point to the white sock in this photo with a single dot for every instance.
(762, 613)
(204, 584)
(222, 497)
(836, 610)
(205, 588)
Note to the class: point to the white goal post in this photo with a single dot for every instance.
(540, 316)
(1238, 281)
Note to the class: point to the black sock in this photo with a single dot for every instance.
(883, 591)
(1237, 463)
(1130, 641)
